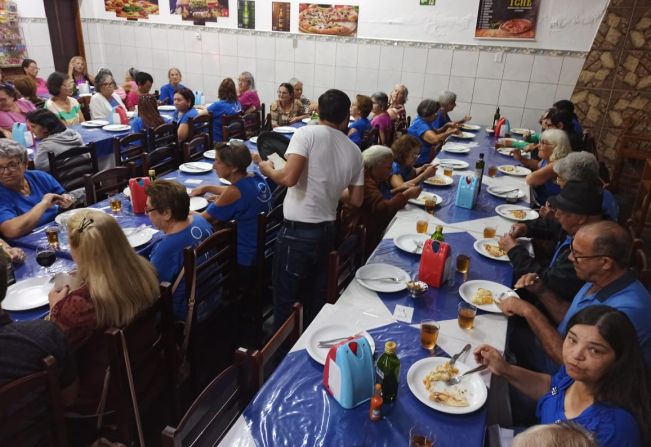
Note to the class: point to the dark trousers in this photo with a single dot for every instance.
(300, 268)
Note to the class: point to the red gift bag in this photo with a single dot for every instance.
(432, 262)
(137, 188)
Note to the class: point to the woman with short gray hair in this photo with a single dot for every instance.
(396, 110)
(27, 198)
(381, 118)
(106, 98)
(308, 106)
(247, 96)
(429, 136)
(448, 101)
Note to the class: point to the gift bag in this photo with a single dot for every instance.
(467, 191)
(137, 188)
(349, 375)
(432, 262)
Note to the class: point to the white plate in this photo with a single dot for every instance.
(84, 95)
(518, 171)
(474, 127)
(505, 211)
(306, 120)
(454, 164)
(62, 218)
(210, 154)
(407, 242)
(27, 294)
(490, 130)
(95, 123)
(503, 191)
(464, 135)
(381, 270)
(131, 114)
(116, 127)
(506, 151)
(468, 289)
(254, 140)
(168, 108)
(138, 237)
(443, 179)
(127, 192)
(473, 385)
(223, 181)
(420, 200)
(504, 140)
(520, 131)
(198, 203)
(328, 333)
(479, 248)
(29, 151)
(456, 149)
(196, 167)
(285, 129)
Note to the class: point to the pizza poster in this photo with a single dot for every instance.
(333, 20)
(199, 11)
(280, 16)
(507, 19)
(132, 9)
(246, 14)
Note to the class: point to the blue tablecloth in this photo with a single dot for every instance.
(103, 140)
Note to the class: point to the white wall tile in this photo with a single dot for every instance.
(245, 64)
(462, 109)
(210, 65)
(284, 71)
(305, 73)
(414, 60)
(463, 87)
(414, 82)
(513, 114)
(265, 47)
(487, 67)
(113, 55)
(175, 40)
(546, 69)
(127, 36)
(228, 44)
(391, 57)
(304, 51)
(308, 92)
(265, 70)
(110, 33)
(158, 38)
(346, 55)
(540, 95)
(284, 49)
(412, 106)
(228, 66)
(387, 79)
(193, 81)
(210, 43)
(345, 78)
(368, 56)
(246, 46)
(482, 114)
(129, 55)
(95, 34)
(563, 92)
(530, 118)
(464, 63)
(194, 63)
(513, 93)
(177, 59)
(192, 40)
(434, 85)
(571, 69)
(366, 80)
(327, 52)
(439, 61)
(141, 36)
(518, 67)
(487, 91)
(211, 86)
(267, 92)
(324, 75)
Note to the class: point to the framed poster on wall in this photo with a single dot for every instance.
(333, 20)
(199, 10)
(507, 19)
(246, 14)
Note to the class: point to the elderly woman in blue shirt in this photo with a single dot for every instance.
(184, 104)
(27, 198)
(427, 133)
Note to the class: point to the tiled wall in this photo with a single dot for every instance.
(522, 84)
(37, 40)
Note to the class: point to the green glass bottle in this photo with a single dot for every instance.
(438, 234)
(387, 369)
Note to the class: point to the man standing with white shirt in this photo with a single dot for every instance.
(323, 165)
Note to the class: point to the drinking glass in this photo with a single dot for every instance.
(430, 204)
(429, 333)
(448, 170)
(52, 233)
(45, 257)
(463, 265)
(421, 435)
(115, 202)
(466, 315)
(489, 231)
(421, 226)
(492, 171)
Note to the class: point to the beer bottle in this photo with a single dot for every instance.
(496, 118)
(387, 369)
(375, 412)
(479, 170)
(438, 234)
(152, 175)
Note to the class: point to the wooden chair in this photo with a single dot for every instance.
(163, 160)
(266, 126)
(84, 105)
(163, 135)
(252, 124)
(233, 127)
(640, 264)
(99, 185)
(258, 363)
(371, 138)
(129, 149)
(70, 166)
(194, 148)
(16, 428)
(202, 124)
(141, 361)
(344, 262)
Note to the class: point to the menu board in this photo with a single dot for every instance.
(246, 14)
(333, 20)
(507, 19)
(280, 16)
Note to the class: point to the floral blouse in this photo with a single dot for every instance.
(279, 117)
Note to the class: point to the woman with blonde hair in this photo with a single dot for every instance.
(78, 71)
(565, 434)
(111, 286)
(554, 145)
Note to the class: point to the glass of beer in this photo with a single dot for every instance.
(429, 333)
(489, 231)
(52, 233)
(421, 436)
(463, 265)
(466, 315)
(448, 170)
(430, 204)
(421, 226)
(115, 202)
(492, 171)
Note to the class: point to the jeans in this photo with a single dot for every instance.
(300, 268)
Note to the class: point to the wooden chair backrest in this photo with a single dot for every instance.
(194, 148)
(129, 149)
(99, 185)
(344, 262)
(201, 124)
(233, 127)
(70, 166)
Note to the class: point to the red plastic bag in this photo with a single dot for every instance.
(137, 188)
(432, 262)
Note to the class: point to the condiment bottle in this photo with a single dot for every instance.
(387, 369)
(152, 175)
(375, 412)
(479, 170)
(438, 234)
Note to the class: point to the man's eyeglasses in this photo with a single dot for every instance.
(11, 167)
(577, 257)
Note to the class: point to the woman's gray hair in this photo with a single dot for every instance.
(294, 81)
(249, 78)
(447, 97)
(561, 142)
(133, 72)
(375, 155)
(102, 76)
(381, 98)
(12, 149)
(577, 167)
(402, 87)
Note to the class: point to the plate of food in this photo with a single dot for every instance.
(506, 151)
(473, 127)
(285, 129)
(518, 171)
(490, 130)
(521, 131)
(464, 135)
(452, 163)
(95, 123)
(504, 192)
(456, 148)
(411, 243)
(116, 127)
(491, 249)
(506, 140)
(254, 140)
(196, 167)
(516, 26)
(382, 277)
(439, 180)
(27, 294)
(483, 294)
(516, 212)
(426, 380)
(166, 108)
(420, 200)
(332, 332)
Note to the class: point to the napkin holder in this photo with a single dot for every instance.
(20, 133)
(433, 262)
(198, 97)
(348, 375)
(503, 128)
(467, 191)
(118, 116)
(137, 187)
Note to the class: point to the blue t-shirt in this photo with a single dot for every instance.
(361, 125)
(441, 120)
(548, 189)
(167, 257)
(14, 204)
(219, 109)
(612, 426)
(577, 127)
(192, 113)
(136, 124)
(406, 172)
(626, 294)
(167, 93)
(255, 198)
(609, 205)
(418, 127)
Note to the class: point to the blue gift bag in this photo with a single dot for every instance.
(467, 191)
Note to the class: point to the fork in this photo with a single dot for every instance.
(457, 380)
(419, 246)
(387, 278)
(455, 357)
(193, 167)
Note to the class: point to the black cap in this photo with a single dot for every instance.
(579, 198)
